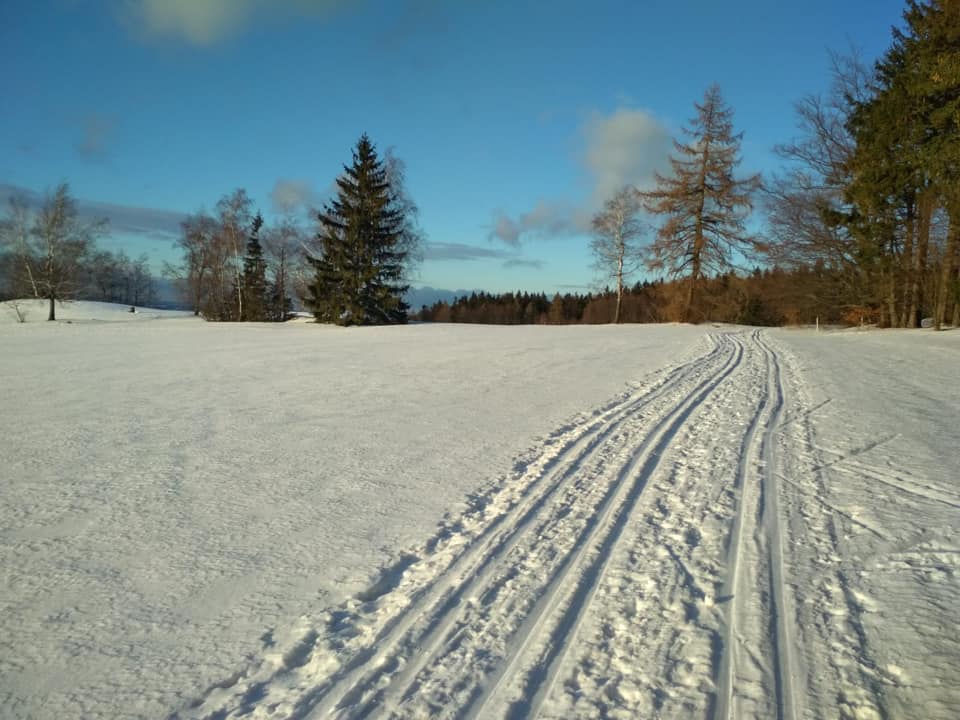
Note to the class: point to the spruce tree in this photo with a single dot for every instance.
(358, 276)
(254, 276)
(704, 204)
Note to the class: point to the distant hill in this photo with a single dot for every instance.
(418, 297)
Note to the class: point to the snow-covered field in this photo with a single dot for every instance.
(205, 520)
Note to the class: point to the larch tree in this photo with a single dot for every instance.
(704, 205)
(617, 230)
(359, 272)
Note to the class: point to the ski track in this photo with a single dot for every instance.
(639, 561)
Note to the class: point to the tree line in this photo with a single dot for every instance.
(233, 267)
(862, 223)
(352, 271)
(866, 209)
(772, 296)
(871, 188)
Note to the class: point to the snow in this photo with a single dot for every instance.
(173, 490)
(35, 311)
(466, 521)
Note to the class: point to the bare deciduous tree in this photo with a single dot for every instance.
(617, 231)
(235, 215)
(15, 234)
(412, 236)
(196, 242)
(59, 243)
(283, 246)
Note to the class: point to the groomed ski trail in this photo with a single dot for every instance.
(630, 565)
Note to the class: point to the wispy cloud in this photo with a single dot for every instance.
(153, 223)
(524, 262)
(96, 134)
(546, 219)
(294, 196)
(462, 251)
(207, 22)
(626, 147)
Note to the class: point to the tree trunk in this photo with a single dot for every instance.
(33, 283)
(52, 314)
(946, 277)
(920, 260)
(892, 297)
(616, 315)
(907, 263)
(239, 279)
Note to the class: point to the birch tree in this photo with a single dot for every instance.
(15, 236)
(59, 244)
(235, 215)
(617, 231)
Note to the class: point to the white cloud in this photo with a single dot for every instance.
(546, 219)
(624, 148)
(206, 22)
(292, 196)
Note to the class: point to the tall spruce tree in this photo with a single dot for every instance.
(254, 276)
(704, 204)
(904, 166)
(359, 272)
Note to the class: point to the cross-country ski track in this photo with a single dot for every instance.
(636, 563)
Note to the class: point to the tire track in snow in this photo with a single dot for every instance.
(307, 676)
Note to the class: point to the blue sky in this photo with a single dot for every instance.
(515, 119)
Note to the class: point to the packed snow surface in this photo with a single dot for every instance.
(226, 520)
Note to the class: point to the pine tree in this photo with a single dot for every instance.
(254, 276)
(359, 271)
(704, 204)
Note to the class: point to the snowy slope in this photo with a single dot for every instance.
(718, 543)
(35, 311)
(877, 494)
(173, 494)
(242, 521)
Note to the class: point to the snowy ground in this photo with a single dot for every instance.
(295, 521)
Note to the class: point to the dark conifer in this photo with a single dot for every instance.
(359, 271)
(254, 276)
